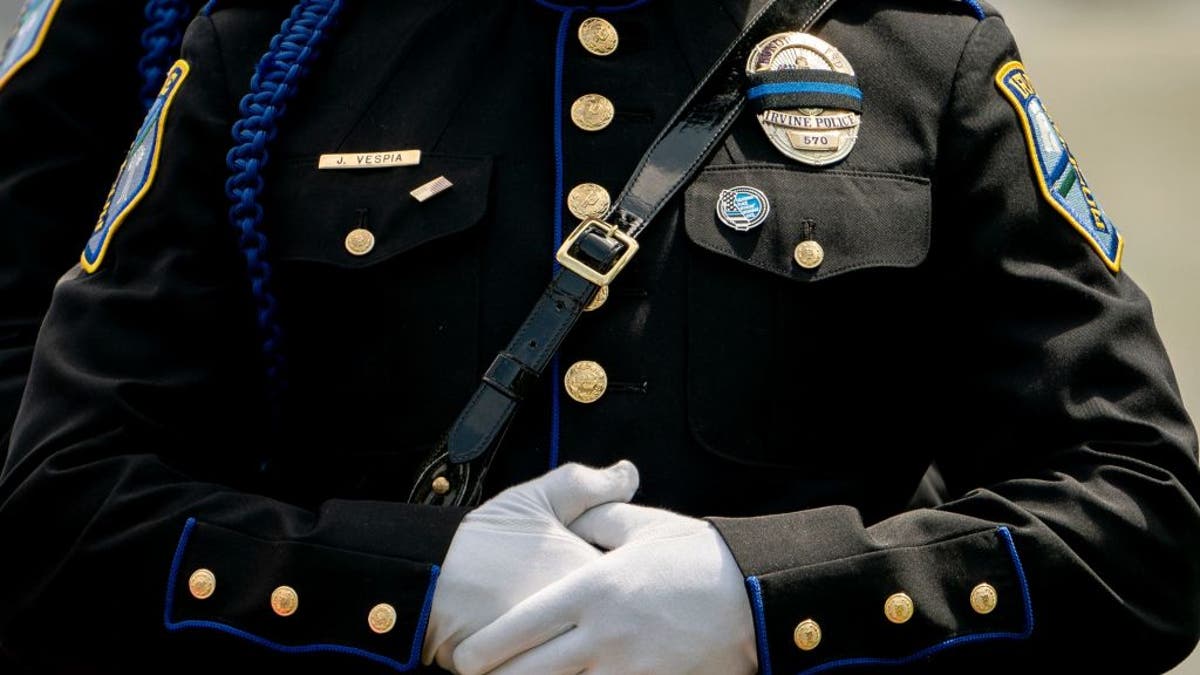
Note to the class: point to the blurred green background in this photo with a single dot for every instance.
(1122, 80)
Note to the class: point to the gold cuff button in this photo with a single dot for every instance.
(202, 584)
(285, 601)
(382, 618)
(984, 599)
(360, 242)
(588, 200)
(598, 36)
(809, 255)
(598, 301)
(441, 486)
(898, 608)
(592, 112)
(807, 635)
(586, 382)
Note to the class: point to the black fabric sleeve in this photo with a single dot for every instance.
(136, 461)
(1074, 471)
(61, 150)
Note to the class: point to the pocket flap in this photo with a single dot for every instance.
(860, 220)
(312, 211)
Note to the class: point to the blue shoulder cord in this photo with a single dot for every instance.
(274, 84)
(166, 21)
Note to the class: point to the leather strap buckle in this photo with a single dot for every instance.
(567, 258)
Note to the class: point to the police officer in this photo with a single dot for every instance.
(892, 258)
(76, 77)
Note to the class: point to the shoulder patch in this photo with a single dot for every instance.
(137, 171)
(1059, 176)
(32, 25)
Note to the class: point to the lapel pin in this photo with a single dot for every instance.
(432, 189)
(743, 208)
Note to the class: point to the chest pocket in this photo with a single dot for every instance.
(790, 365)
(382, 343)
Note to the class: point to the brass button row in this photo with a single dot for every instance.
(898, 609)
(285, 601)
(586, 381)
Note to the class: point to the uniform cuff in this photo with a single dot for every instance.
(885, 608)
(300, 598)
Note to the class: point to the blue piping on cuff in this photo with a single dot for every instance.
(414, 655)
(760, 625)
(1027, 630)
(977, 8)
(208, 7)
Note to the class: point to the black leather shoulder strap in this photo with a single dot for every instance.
(595, 253)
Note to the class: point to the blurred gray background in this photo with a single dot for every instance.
(1099, 64)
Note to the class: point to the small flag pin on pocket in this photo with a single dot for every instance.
(432, 189)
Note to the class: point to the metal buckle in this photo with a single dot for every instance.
(584, 270)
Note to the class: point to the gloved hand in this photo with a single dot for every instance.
(513, 546)
(668, 598)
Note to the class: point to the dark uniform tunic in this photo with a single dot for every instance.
(67, 113)
(957, 317)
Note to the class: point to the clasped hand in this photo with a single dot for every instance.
(561, 575)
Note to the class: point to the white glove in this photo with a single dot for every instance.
(513, 546)
(668, 598)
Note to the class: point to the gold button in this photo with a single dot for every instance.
(807, 635)
(598, 301)
(588, 200)
(202, 584)
(382, 618)
(285, 601)
(984, 599)
(441, 485)
(598, 36)
(592, 112)
(360, 242)
(898, 608)
(586, 382)
(809, 255)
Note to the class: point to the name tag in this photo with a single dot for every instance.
(370, 160)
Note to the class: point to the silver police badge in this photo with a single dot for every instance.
(817, 136)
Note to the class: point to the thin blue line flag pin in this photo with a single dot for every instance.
(743, 208)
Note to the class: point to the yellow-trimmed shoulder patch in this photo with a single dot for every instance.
(1059, 176)
(137, 171)
(32, 26)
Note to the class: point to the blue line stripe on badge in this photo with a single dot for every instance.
(804, 88)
